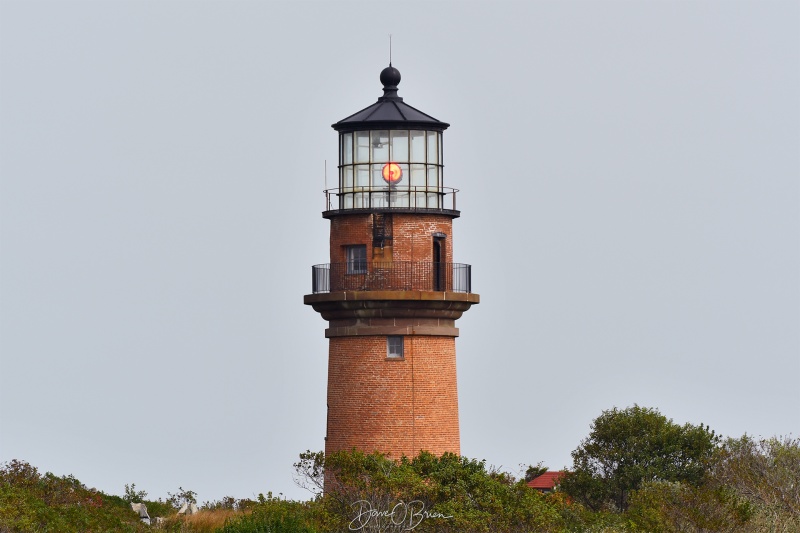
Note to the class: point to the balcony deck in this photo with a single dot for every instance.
(391, 276)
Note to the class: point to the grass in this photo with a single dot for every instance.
(205, 521)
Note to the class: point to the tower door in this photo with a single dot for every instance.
(439, 267)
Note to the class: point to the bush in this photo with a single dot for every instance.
(273, 515)
(371, 492)
(31, 502)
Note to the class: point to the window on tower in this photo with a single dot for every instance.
(356, 258)
(394, 346)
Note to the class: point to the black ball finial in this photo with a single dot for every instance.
(390, 77)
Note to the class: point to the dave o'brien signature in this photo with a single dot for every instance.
(407, 515)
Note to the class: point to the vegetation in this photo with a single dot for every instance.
(424, 493)
(636, 472)
(532, 472)
(32, 502)
(750, 486)
(627, 448)
(273, 515)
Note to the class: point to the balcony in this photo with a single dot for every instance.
(391, 276)
(406, 199)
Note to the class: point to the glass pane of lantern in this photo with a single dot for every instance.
(433, 200)
(433, 177)
(347, 148)
(347, 183)
(362, 147)
(433, 147)
(377, 177)
(419, 199)
(418, 176)
(380, 146)
(399, 146)
(405, 180)
(417, 146)
(441, 150)
(348, 201)
(362, 175)
(399, 199)
(380, 199)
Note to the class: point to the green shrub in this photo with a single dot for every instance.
(273, 515)
(371, 492)
(31, 502)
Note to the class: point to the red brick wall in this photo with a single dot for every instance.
(412, 236)
(394, 406)
(348, 230)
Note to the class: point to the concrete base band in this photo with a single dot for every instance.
(358, 331)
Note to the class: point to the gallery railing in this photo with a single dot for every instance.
(421, 197)
(391, 276)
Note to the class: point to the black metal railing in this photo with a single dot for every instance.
(391, 276)
(390, 198)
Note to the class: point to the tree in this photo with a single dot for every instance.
(534, 471)
(764, 473)
(132, 495)
(751, 486)
(629, 447)
(183, 496)
(671, 507)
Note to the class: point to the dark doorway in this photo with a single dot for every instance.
(438, 264)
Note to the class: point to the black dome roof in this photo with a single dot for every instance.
(389, 111)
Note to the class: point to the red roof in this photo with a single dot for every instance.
(546, 481)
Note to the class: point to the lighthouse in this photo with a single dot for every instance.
(391, 293)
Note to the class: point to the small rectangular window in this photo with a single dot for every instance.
(356, 259)
(394, 346)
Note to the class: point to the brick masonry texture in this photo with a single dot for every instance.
(412, 241)
(396, 406)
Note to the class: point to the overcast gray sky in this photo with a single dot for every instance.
(630, 198)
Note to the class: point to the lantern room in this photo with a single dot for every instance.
(390, 158)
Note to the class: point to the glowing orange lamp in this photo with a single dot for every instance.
(392, 173)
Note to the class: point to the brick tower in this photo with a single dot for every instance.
(391, 292)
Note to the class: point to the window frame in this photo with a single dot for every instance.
(395, 354)
(356, 258)
(362, 155)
